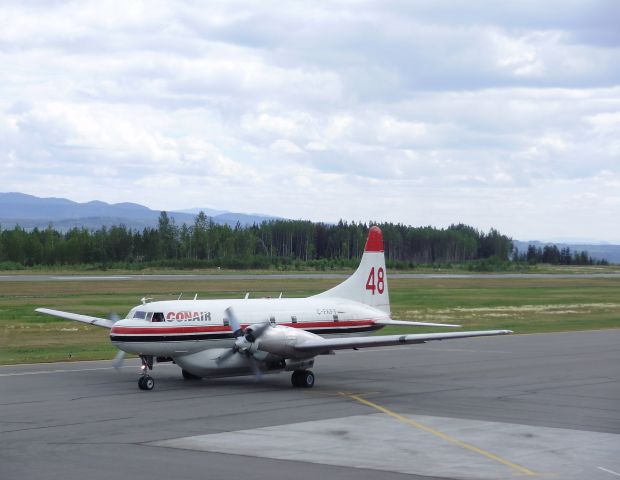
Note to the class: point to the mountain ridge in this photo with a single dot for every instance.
(29, 211)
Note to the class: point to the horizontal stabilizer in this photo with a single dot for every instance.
(99, 322)
(413, 324)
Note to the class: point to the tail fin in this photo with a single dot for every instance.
(368, 284)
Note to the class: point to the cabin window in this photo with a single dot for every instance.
(139, 314)
(158, 317)
(226, 322)
(272, 320)
(335, 318)
(293, 319)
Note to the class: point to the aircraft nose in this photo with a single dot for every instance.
(125, 322)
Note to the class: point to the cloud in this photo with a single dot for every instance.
(285, 146)
(423, 113)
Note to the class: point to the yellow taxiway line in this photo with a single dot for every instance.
(443, 436)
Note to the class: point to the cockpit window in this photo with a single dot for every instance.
(158, 317)
(139, 314)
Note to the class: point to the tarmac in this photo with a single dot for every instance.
(541, 406)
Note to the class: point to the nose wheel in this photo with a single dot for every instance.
(146, 382)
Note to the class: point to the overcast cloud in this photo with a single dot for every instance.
(493, 114)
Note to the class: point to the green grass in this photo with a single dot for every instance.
(525, 305)
(451, 268)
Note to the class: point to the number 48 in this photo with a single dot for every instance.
(379, 286)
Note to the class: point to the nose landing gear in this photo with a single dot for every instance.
(146, 382)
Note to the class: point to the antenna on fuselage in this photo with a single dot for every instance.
(280, 295)
(180, 295)
(247, 295)
(196, 297)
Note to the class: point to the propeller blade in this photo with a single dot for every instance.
(118, 359)
(235, 326)
(255, 331)
(258, 373)
(114, 317)
(250, 335)
(233, 321)
(226, 355)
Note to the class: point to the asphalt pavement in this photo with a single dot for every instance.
(546, 404)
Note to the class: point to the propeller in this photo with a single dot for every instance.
(244, 340)
(258, 373)
(120, 356)
(118, 360)
(233, 321)
(235, 326)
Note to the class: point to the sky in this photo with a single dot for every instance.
(499, 115)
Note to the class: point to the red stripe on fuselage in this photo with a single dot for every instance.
(166, 330)
(163, 330)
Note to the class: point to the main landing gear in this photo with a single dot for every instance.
(146, 382)
(302, 378)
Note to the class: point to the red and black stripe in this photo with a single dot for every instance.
(218, 332)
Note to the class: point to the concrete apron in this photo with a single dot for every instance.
(433, 446)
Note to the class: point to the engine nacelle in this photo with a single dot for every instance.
(280, 340)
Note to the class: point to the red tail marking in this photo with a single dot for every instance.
(375, 240)
(370, 283)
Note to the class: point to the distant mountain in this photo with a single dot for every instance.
(211, 212)
(231, 218)
(598, 251)
(29, 212)
(578, 241)
(244, 219)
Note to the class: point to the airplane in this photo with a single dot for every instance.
(234, 337)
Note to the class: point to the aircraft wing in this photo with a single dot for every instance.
(414, 324)
(323, 346)
(100, 322)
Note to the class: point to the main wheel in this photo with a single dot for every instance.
(146, 383)
(307, 379)
(189, 376)
(302, 378)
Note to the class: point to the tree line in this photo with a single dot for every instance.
(277, 243)
(555, 256)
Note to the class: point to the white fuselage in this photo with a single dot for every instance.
(181, 327)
